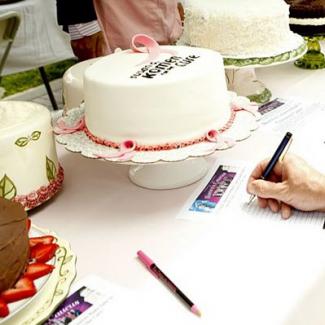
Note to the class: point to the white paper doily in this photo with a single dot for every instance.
(79, 142)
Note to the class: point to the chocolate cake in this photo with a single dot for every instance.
(307, 17)
(14, 246)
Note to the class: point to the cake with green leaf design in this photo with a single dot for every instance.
(29, 169)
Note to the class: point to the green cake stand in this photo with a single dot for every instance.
(314, 58)
(241, 76)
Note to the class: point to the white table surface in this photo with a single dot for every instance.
(107, 219)
(39, 40)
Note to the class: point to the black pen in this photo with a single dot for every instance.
(277, 156)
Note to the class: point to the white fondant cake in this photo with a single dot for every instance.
(177, 97)
(237, 28)
(29, 168)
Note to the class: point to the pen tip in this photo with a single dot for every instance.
(251, 199)
(196, 311)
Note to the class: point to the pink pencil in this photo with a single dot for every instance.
(154, 269)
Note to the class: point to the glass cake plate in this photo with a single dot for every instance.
(51, 289)
(314, 58)
(159, 169)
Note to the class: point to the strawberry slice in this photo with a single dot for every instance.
(4, 310)
(24, 288)
(43, 252)
(37, 270)
(40, 240)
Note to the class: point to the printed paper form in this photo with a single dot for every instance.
(223, 192)
(302, 118)
(291, 114)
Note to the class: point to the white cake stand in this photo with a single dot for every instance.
(162, 176)
(240, 71)
(164, 169)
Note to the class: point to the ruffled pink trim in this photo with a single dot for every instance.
(124, 153)
(166, 146)
(43, 194)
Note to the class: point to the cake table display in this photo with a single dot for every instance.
(160, 109)
(307, 18)
(247, 34)
(29, 169)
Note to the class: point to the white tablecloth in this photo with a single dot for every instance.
(107, 219)
(39, 40)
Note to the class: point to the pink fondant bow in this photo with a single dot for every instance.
(150, 46)
(125, 152)
(215, 136)
(240, 103)
(62, 128)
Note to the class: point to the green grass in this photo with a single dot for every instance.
(21, 81)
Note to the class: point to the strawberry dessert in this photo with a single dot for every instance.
(23, 259)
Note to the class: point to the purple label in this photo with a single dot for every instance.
(211, 195)
(270, 106)
(70, 309)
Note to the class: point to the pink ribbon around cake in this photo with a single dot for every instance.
(150, 46)
(127, 149)
(125, 152)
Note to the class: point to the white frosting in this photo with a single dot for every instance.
(307, 21)
(25, 165)
(239, 28)
(158, 106)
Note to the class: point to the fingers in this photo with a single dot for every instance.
(276, 206)
(266, 189)
(262, 203)
(273, 205)
(285, 211)
(258, 171)
(276, 175)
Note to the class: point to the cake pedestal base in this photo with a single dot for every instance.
(314, 58)
(241, 76)
(244, 82)
(165, 176)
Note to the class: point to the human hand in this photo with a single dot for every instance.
(89, 46)
(292, 184)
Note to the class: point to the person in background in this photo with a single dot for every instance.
(121, 19)
(292, 184)
(79, 19)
